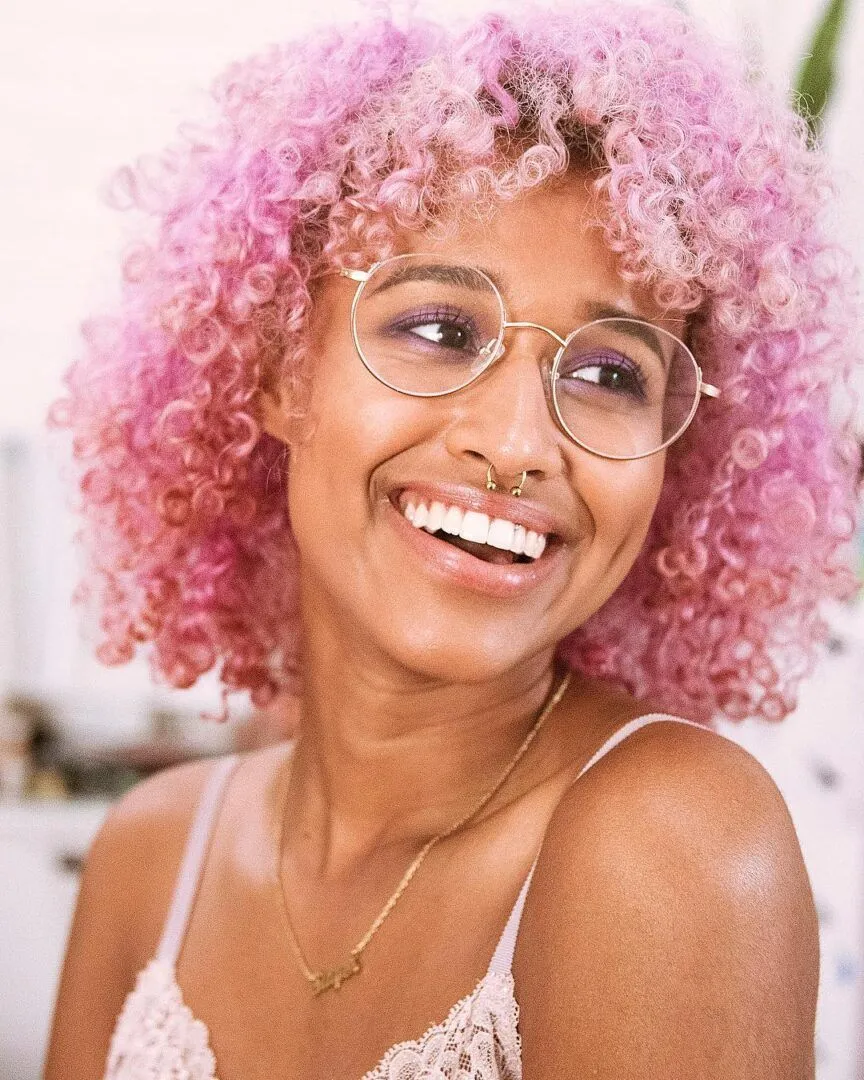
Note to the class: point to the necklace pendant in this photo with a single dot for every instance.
(332, 980)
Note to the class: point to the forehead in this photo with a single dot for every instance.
(546, 251)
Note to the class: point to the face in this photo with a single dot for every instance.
(432, 602)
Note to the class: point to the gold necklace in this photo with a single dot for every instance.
(335, 977)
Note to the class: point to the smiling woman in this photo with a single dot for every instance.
(491, 408)
(474, 387)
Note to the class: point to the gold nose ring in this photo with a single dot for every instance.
(492, 484)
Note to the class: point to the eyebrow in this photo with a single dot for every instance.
(634, 326)
(468, 277)
(475, 278)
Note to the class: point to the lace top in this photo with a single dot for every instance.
(157, 1037)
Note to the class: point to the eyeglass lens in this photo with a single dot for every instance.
(428, 326)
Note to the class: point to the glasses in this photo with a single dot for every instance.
(618, 387)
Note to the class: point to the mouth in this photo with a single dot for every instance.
(495, 540)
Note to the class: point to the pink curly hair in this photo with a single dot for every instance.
(323, 149)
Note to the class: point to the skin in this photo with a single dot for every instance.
(670, 928)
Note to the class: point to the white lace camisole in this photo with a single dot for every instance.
(157, 1037)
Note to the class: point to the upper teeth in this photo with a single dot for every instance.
(471, 525)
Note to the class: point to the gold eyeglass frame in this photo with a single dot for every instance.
(495, 349)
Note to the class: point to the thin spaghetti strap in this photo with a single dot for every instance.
(189, 874)
(502, 958)
(627, 729)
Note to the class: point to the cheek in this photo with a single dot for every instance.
(357, 424)
(352, 415)
(354, 426)
(622, 497)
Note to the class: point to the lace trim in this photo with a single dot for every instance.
(478, 1040)
(157, 1036)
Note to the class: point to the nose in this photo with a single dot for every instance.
(504, 418)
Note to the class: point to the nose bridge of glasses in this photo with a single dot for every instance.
(535, 326)
(498, 348)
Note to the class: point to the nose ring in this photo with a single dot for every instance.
(492, 484)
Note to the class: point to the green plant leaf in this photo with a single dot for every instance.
(817, 73)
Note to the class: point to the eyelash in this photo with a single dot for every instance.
(617, 362)
(429, 316)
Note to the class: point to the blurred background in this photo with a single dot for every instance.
(85, 88)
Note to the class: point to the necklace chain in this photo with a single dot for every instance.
(335, 977)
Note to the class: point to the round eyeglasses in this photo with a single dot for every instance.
(619, 387)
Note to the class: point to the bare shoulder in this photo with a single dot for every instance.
(125, 890)
(670, 929)
(137, 853)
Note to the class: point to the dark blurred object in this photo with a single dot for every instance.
(17, 727)
(62, 768)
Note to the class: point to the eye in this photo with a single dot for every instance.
(610, 373)
(445, 329)
(448, 334)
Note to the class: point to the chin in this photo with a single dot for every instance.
(460, 660)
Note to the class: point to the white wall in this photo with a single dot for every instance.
(86, 87)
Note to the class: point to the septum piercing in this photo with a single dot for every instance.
(492, 484)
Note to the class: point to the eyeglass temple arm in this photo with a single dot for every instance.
(356, 275)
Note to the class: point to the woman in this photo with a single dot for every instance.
(461, 360)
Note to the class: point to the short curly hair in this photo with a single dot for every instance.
(322, 150)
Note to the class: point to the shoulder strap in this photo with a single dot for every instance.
(502, 958)
(193, 860)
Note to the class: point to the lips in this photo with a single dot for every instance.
(483, 541)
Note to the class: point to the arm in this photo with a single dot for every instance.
(125, 890)
(672, 932)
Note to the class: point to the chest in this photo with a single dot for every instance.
(157, 1035)
(240, 977)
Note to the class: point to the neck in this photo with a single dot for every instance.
(388, 757)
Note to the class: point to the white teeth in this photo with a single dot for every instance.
(452, 522)
(474, 527)
(534, 544)
(500, 534)
(518, 543)
(436, 517)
